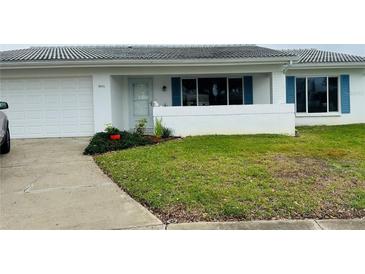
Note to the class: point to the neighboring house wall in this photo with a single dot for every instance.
(357, 98)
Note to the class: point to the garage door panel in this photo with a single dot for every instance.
(84, 83)
(86, 128)
(13, 85)
(33, 130)
(69, 83)
(14, 100)
(51, 115)
(33, 84)
(85, 113)
(34, 115)
(71, 114)
(52, 107)
(68, 129)
(85, 101)
(15, 116)
(50, 83)
(17, 130)
(52, 100)
(52, 130)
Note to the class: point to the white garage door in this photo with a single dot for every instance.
(51, 107)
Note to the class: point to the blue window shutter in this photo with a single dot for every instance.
(248, 90)
(290, 89)
(176, 91)
(345, 93)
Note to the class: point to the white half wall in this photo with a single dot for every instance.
(240, 119)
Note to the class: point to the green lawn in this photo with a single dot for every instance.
(320, 174)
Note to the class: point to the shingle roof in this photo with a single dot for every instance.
(161, 53)
(307, 56)
(140, 53)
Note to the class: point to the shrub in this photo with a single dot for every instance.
(141, 126)
(159, 128)
(100, 142)
(166, 132)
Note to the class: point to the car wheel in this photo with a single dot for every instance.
(5, 147)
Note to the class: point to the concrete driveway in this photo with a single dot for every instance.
(49, 184)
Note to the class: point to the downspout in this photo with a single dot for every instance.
(288, 66)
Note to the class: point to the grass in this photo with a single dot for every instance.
(320, 174)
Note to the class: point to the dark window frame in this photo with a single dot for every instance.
(213, 77)
(182, 91)
(328, 111)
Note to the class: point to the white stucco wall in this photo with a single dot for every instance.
(102, 101)
(261, 88)
(163, 98)
(238, 119)
(357, 98)
(278, 87)
(117, 99)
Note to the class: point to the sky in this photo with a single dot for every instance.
(355, 49)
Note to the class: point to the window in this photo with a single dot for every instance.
(317, 94)
(235, 91)
(301, 97)
(212, 91)
(333, 93)
(189, 92)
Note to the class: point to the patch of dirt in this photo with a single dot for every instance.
(180, 214)
(299, 168)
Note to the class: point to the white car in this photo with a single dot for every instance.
(4, 130)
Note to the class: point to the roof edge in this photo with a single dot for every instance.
(171, 62)
(327, 65)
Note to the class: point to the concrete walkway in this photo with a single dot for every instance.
(354, 224)
(49, 184)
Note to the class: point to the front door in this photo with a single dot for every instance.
(141, 101)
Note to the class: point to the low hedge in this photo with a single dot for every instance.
(100, 142)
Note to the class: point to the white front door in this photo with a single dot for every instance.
(141, 101)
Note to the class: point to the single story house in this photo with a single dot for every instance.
(196, 90)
